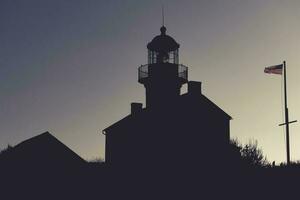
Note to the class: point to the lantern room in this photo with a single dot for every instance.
(163, 49)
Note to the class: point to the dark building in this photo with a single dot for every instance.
(173, 127)
(40, 153)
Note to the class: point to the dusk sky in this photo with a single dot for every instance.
(70, 66)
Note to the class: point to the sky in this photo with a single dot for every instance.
(70, 67)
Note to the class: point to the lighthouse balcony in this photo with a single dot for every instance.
(149, 71)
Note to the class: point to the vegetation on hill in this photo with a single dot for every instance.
(250, 153)
(247, 170)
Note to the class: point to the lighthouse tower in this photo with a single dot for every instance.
(163, 76)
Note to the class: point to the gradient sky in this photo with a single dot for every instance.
(70, 67)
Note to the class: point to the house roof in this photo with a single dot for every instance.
(125, 120)
(185, 97)
(208, 102)
(43, 149)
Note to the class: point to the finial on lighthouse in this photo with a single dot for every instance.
(163, 15)
(163, 29)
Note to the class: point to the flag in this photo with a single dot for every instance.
(276, 69)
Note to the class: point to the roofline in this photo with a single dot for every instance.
(230, 118)
(45, 133)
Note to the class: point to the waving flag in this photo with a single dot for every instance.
(276, 69)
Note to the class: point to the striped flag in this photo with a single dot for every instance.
(276, 69)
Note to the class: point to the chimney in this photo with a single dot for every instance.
(194, 88)
(136, 108)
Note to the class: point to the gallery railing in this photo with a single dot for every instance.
(144, 72)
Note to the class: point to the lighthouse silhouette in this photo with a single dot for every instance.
(162, 76)
(172, 127)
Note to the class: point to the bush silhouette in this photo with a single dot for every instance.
(7, 149)
(249, 154)
(253, 156)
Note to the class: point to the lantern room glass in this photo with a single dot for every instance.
(155, 57)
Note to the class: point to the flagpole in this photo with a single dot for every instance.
(286, 117)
